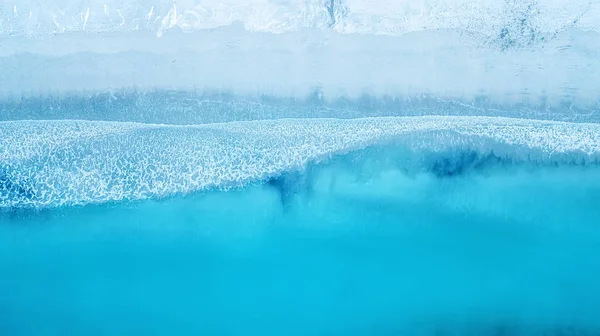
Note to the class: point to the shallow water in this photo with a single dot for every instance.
(299, 167)
(359, 244)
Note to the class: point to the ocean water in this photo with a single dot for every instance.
(343, 167)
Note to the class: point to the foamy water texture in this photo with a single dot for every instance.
(311, 167)
(56, 163)
(386, 226)
(466, 244)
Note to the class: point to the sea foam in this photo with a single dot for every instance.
(80, 162)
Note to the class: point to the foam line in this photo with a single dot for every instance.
(80, 162)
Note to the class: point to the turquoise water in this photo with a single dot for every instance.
(300, 167)
(466, 243)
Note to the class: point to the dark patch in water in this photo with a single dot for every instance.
(458, 163)
(290, 184)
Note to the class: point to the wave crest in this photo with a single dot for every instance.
(81, 162)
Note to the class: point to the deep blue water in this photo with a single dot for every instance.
(468, 243)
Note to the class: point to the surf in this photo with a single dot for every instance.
(340, 167)
(412, 242)
(88, 162)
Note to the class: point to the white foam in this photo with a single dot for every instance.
(74, 162)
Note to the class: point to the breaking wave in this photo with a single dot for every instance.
(416, 167)
(62, 163)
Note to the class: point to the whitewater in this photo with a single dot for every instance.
(314, 167)
(57, 163)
